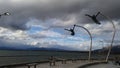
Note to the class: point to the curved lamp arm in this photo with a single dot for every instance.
(72, 31)
(114, 29)
(89, 58)
(97, 22)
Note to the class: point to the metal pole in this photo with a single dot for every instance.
(89, 58)
(102, 44)
(114, 30)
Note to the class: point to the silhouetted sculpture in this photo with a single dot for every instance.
(94, 17)
(71, 30)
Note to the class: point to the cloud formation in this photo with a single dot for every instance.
(23, 10)
(51, 15)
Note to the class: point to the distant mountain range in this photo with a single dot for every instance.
(32, 48)
(115, 50)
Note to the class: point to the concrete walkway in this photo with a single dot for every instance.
(69, 64)
(109, 65)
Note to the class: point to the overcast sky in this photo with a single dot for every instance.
(41, 23)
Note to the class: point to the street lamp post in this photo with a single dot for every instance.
(94, 18)
(73, 33)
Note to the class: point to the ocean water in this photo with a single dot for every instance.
(8, 57)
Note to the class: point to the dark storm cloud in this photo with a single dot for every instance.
(22, 10)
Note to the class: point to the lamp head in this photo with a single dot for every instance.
(7, 14)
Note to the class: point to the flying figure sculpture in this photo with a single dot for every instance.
(71, 30)
(94, 17)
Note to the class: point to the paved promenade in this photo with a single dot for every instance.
(110, 65)
(69, 64)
